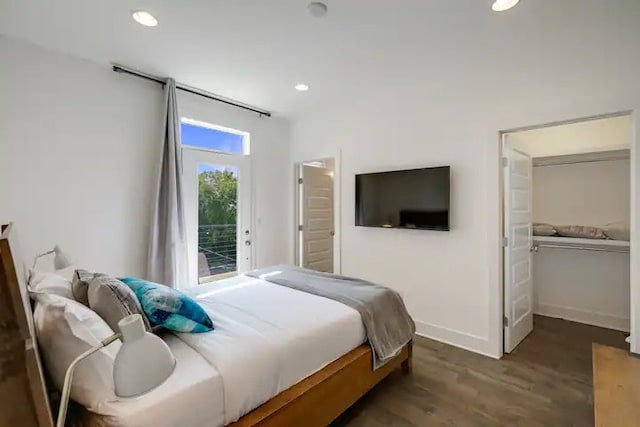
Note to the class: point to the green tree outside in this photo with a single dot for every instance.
(217, 205)
(217, 198)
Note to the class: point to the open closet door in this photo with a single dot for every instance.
(518, 218)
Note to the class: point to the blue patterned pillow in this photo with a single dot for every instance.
(169, 307)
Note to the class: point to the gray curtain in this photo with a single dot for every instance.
(168, 263)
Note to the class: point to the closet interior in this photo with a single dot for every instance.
(580, 199)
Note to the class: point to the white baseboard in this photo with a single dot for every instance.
(456, 338)
(582, 316)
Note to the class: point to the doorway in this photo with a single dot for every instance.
(218, 208)
(566, 204)
(316, 215)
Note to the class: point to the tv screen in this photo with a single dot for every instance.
(414, 199)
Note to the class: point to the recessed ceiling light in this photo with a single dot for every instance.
(317, 9)
(502, 5)
(143, 17)
(302, 87)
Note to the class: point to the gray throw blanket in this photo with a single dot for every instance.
(386, 320)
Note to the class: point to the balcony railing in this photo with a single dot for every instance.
(217, 249)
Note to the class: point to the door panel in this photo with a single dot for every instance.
(518, 219)
(218, 211)
(317, 218)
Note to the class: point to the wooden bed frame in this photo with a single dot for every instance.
(322, 397)
(314, 402)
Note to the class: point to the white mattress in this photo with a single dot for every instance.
(267, 338)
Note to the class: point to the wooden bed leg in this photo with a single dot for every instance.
(407, 365)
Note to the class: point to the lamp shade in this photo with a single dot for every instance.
(502, 5)
(60, 260)
(144, 360)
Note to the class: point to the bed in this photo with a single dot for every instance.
(278, 357)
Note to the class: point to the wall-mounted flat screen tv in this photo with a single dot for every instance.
(412, 199)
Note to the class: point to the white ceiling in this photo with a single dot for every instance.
(612, 133)
(255, 51)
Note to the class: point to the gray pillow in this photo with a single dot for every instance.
(80, 285)
(113, 300)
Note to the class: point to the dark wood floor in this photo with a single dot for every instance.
(547, 381)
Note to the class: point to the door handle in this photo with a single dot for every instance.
(247, 242)
(333, 233)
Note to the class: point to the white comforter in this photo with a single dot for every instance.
(268, 338)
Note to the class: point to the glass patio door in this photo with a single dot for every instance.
(218, 211)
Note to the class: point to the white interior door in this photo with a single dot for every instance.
(218, 209)
(518, 219)
(317, 218)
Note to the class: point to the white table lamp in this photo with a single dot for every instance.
(143, 362)
(60, 261)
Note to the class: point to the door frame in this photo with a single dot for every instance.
(496, 291)
(337, 223)
(231, 160)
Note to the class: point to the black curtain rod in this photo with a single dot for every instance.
(120, 69)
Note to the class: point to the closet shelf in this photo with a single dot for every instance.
(573, 242)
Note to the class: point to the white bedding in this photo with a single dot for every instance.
(192, 396)
(267, 338)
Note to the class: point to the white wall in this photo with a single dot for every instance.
(593, 193)
(79, 145)
(585, 286)
(442, 275)
(77, 154)
(452, 281)
(612, 133)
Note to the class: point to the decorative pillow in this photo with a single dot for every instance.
(65, 330)
(618, 231)
(540, 229)
(49, 283)
(113, 300)
(582, 231)
(80, 285)
(169, 307)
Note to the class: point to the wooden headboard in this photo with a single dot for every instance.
(23, 394)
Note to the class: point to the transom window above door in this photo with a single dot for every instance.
(201, 135)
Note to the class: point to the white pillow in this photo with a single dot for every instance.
(66, 329)
(58, 283)
(618, 231)
(541, 229)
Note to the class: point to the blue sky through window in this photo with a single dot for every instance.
(212, 139)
